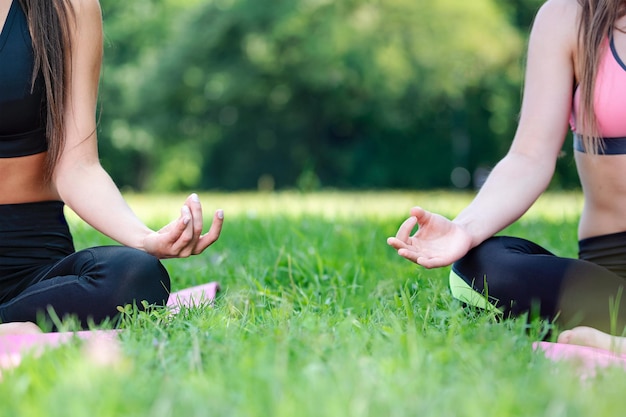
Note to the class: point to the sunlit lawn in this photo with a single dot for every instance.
(318, 317)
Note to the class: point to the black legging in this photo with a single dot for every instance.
(518, 276)
(39, 270)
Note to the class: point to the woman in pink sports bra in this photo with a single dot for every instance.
(575, 73)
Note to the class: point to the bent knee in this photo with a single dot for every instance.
(137, 275)
(148, 277)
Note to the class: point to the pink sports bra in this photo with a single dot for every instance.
(609, 103)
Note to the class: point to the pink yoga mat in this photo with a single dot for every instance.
(193, 296)
(587, 358)
(12, 346)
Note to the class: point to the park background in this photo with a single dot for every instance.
(312, 94)
(375, 106)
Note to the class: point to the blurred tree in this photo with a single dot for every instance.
(352, 93)
(522, 12)
(306, 93)
(134, 35)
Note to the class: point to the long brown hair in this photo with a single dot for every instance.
(597, 20)
(48, 22)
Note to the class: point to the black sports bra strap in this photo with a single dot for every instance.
(23, 144)
(610, 146)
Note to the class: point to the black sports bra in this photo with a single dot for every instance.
(22, 111)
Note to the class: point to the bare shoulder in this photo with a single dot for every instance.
(559, 17)
(86, 26)
(563, 8)
(556, 25)
(86, 11)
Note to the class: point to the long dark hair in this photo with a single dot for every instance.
(597, 19)
(49, 25)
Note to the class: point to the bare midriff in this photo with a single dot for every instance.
(22, 180)
(603, 178)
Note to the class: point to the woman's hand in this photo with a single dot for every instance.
(183, 237)
(437, 242)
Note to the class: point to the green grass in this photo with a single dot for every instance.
(318, 317)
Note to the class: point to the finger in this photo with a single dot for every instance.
(173, 225)
(176, 228)
(404, 232)
(182, 235)
(193, 202)
(420, 214)
(425, 261)
(408, 254)
(396, 243)
(429, 263)
(213, 234)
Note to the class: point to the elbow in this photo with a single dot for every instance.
(69, 175)
(531, 167)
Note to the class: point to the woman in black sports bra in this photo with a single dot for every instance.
(50, 58)
(574, 74)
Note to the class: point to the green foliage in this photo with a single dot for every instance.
(339, 88)
(522, 12)
(308, 93)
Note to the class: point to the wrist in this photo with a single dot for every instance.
(141, 241)
(471, 230)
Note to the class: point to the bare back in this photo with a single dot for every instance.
(22, 180)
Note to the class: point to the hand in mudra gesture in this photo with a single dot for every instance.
(183, 237)
(437, 242)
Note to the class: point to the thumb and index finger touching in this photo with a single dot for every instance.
(187, 229)
(203, 240)
(418, 217)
